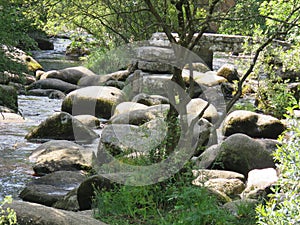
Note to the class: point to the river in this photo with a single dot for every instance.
(15, 168)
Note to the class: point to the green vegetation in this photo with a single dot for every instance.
(173, 201)
(283, 207)
(7, 216)
(15, 31)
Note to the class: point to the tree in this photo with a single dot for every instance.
(14, 30)
(123, 21)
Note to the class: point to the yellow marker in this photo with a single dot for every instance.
(31, 63)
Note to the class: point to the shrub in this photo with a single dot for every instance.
(283, 207)
(7, 216)
(173, 201)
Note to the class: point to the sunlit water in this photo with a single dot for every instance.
(15, 169)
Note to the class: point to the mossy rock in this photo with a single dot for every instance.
(62, 126)
(9, 97)
(94, 100)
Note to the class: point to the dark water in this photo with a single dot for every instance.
(15, 169)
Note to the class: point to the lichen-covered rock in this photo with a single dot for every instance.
(52, 83)
(59, 155)
(195, 107)
(50, 188)
(253, 124)
(152, 84)
(9, 97)
(155, 67)
(229, 183)
(94, 100)
(62, 126)
(239, 153)
(229, 72)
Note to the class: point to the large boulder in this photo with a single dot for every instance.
(96, 80)
(62, 126)
(140, 116)
(9, 97)
(259, 182)
(71, 75)
(152, 84)
(156, 54)
(239, 153)
(59, 155)
(229, 72)
(52, 83)
(94, 100)
(50, 188)
(197, 105)
(86, 190)
(125, 139)
(209, 78)
(68, 202)
(36, 214)
(253, 124)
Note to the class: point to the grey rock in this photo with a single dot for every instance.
(36, 214)
(52, 83)
(60, 155)
(50, 188)
(253, 124)
(97, 101)
(61, 126)
(239, 153)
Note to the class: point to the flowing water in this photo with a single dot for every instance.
(15, 168)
